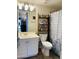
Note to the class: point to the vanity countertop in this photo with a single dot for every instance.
(26, 35)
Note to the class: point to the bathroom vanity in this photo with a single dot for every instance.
(28, 44)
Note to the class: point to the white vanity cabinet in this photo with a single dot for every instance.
(28, 47)
(33, 47)
(22, 48)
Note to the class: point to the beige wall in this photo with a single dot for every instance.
(33, 24)
(43, 10)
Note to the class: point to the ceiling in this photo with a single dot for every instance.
(42, 2)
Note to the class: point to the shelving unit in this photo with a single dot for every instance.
(43, 24)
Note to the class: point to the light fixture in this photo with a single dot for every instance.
(20, 5)
(31, 7)
(26, 7)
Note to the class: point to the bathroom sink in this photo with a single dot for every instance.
(25, 35)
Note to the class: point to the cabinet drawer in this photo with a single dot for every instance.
(23, 42)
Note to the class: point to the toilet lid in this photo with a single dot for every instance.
(47, 44)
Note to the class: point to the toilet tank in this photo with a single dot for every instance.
(43, 37)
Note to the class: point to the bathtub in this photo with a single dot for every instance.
(28, 44)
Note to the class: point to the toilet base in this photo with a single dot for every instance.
(45, 51)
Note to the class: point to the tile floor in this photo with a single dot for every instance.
(41, 56)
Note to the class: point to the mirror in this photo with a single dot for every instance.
(26, 18)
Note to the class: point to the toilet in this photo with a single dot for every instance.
(46, 45)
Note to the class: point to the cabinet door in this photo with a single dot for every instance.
(33, 47)
(22, 49)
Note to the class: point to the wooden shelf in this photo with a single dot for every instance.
(43, 24)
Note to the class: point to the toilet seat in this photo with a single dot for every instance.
(47, 44)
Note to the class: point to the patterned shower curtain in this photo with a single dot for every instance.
(56, 31)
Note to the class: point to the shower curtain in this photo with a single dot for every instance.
(56, 31)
